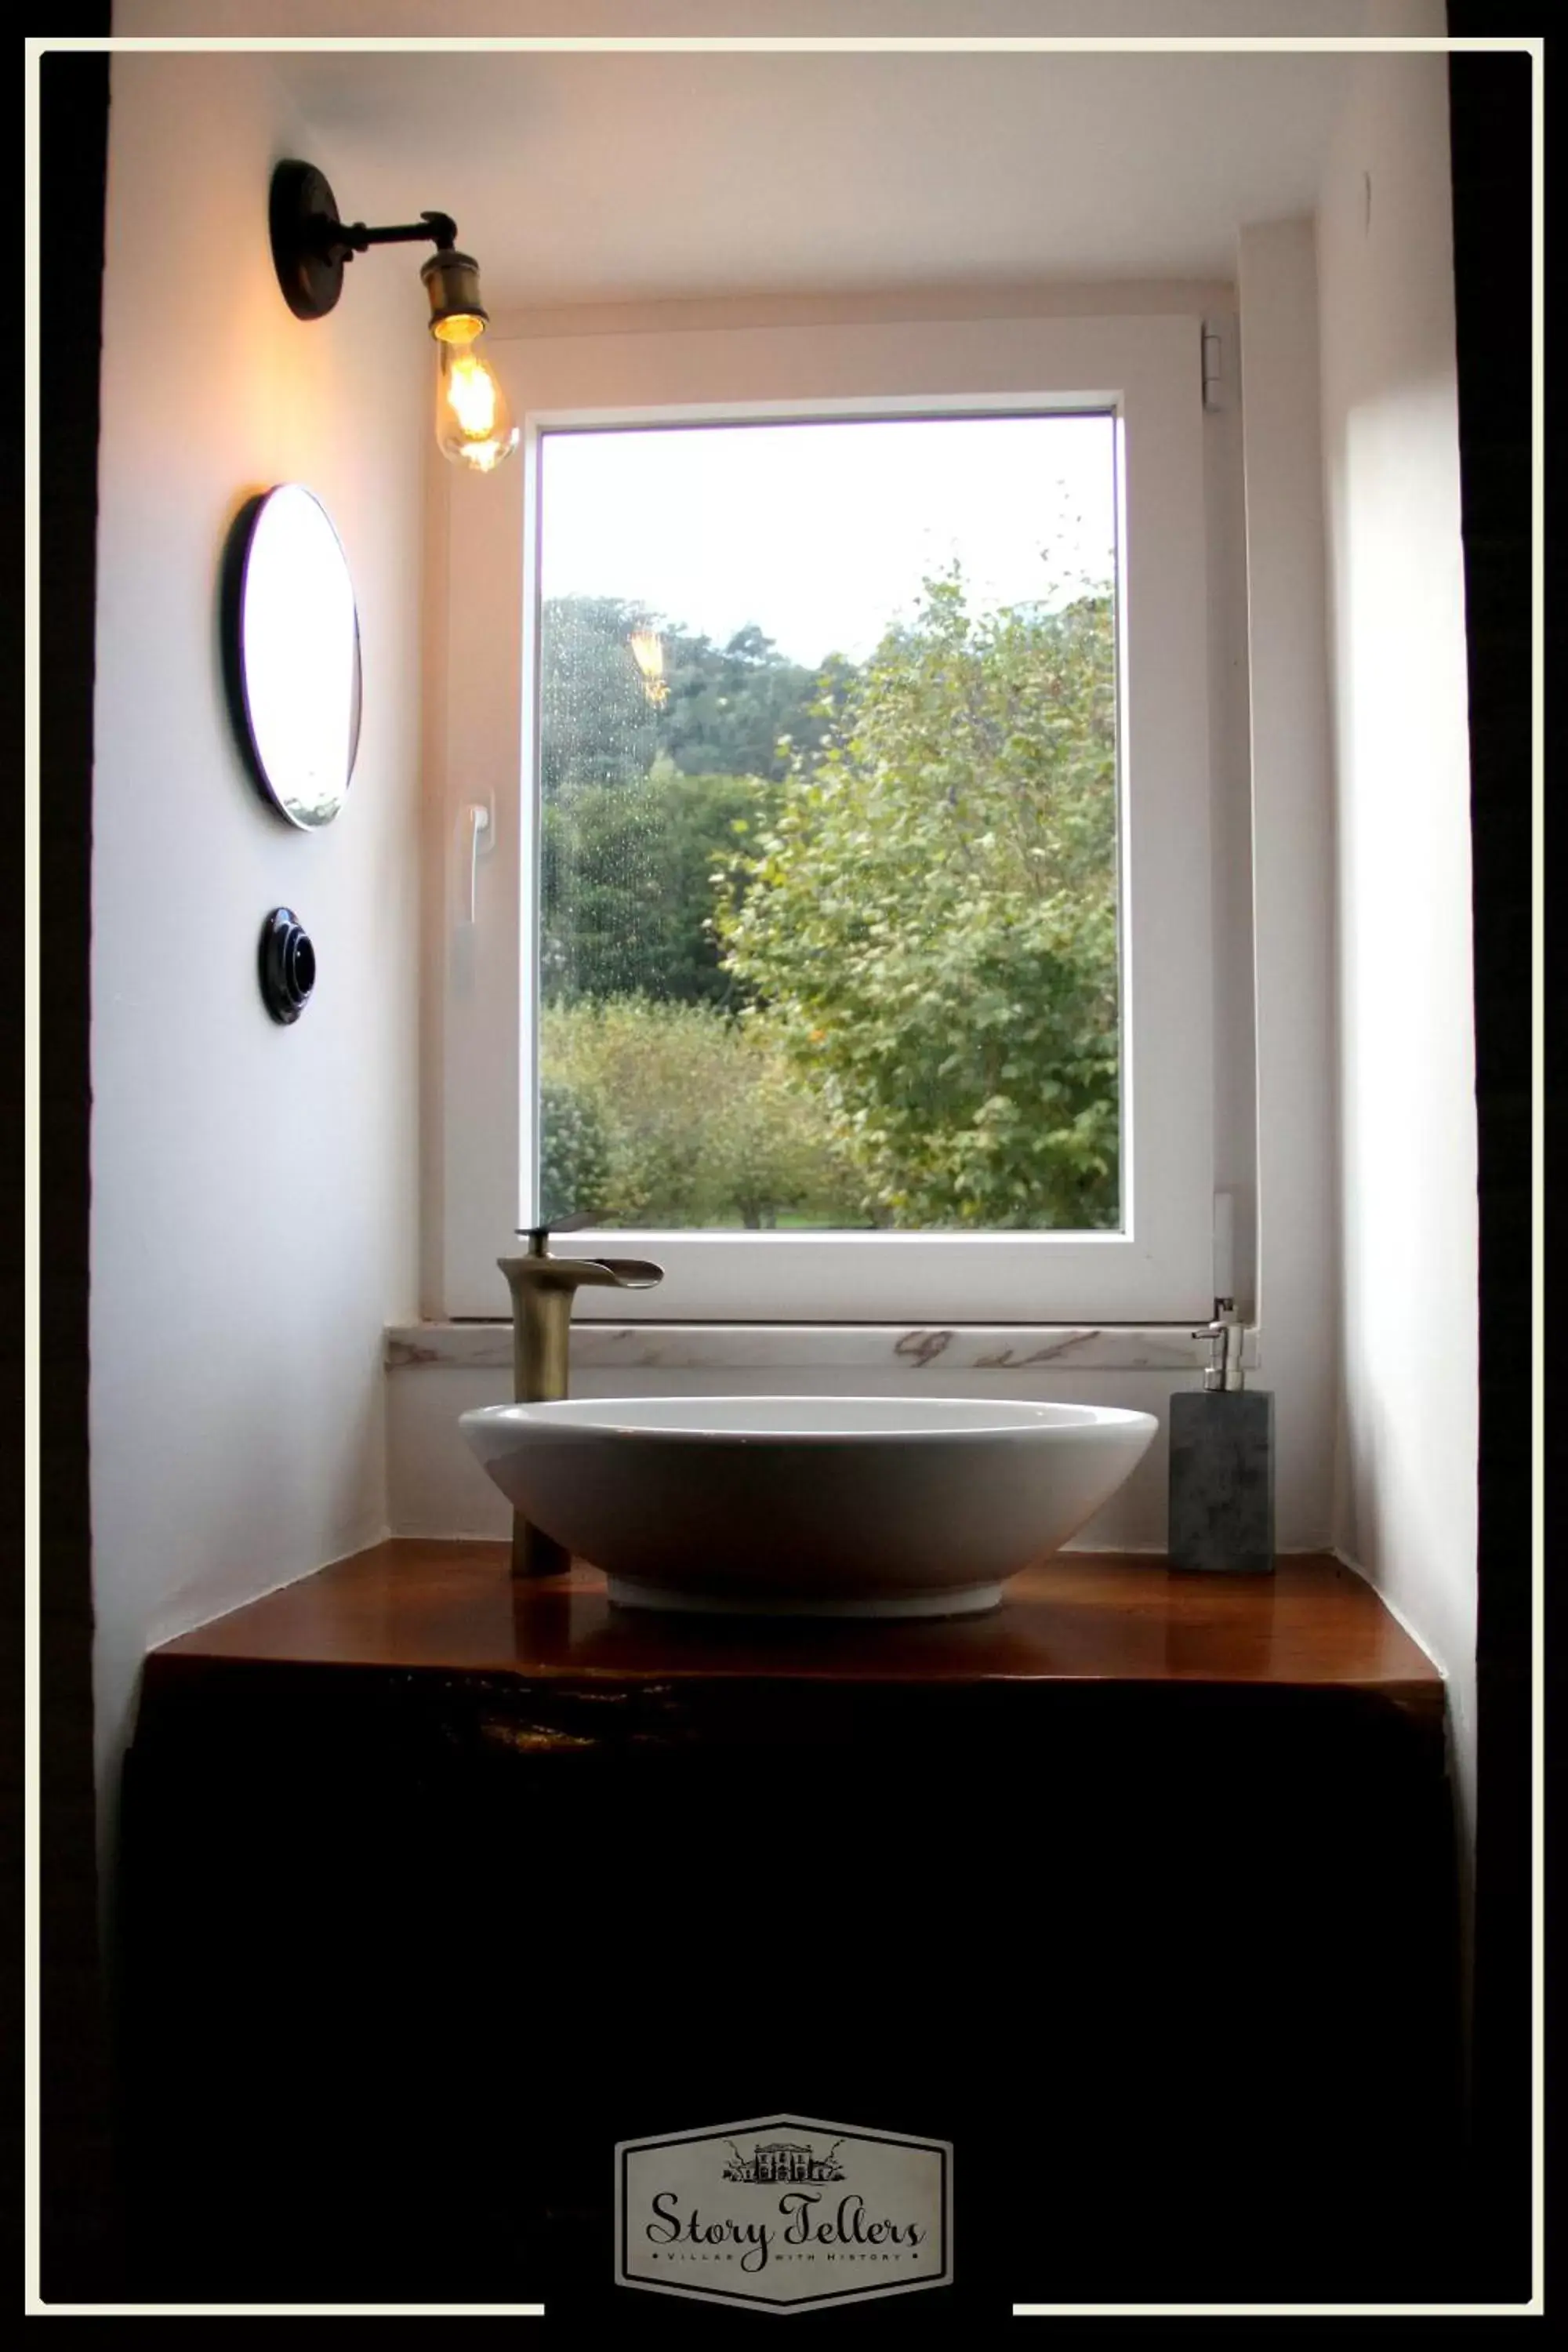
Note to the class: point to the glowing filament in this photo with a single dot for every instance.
(648, 652)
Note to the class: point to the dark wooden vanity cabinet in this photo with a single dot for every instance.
(1140, 1890)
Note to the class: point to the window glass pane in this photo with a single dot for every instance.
(827, 883)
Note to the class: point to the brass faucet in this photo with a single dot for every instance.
(544, 1289)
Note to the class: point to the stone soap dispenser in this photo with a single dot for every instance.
(1222, 1464)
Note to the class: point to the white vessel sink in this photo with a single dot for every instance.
(818, 1506)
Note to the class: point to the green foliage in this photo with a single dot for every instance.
(575, 1151)
(723, 710)
(914, 900)
(627, 899)
(931, 923)
(597, 725)
(743, 708)
(700, 1119)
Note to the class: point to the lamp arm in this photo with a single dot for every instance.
(354, 236)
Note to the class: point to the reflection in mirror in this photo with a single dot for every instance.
(292, 647)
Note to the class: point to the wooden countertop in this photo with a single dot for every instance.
(410, 1605)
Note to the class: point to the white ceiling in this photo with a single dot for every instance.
(611, 177)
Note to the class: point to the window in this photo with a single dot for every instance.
(906, 1018)
(824, 925)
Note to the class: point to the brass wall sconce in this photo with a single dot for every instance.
(312, 246)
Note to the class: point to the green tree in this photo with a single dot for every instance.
(714, 711)
(743, 708)
(598, 725)
(576, 1150)
(671, 1115)
(626, 901)
(929, 925)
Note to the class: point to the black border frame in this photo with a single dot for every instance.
(80, 2251)
(1490, 131)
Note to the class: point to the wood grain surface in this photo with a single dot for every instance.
(407, 1604)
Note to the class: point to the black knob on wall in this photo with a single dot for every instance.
(288, 965)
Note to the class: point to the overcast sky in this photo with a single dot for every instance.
(822, 533)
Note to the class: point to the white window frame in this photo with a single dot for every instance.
(1159, 1268)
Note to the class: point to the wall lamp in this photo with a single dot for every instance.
(312, 247)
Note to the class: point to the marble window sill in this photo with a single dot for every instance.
(602, 1346)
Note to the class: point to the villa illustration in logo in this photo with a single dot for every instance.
(784, 2159)
(784, 2212)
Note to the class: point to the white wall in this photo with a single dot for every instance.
(1292, 890)
(254, 1219)
(1406, 1501)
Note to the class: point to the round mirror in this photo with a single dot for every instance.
(293, 642)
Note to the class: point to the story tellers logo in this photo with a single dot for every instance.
(783, 2212)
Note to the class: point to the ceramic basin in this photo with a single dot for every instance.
(819, 1507)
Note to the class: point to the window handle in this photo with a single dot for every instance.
(478, 840)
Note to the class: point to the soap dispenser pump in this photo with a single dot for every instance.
(1221, 1463)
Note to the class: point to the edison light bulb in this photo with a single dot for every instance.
(648, 652)
(473, 422)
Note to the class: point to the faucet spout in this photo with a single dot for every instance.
(628, 1273)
